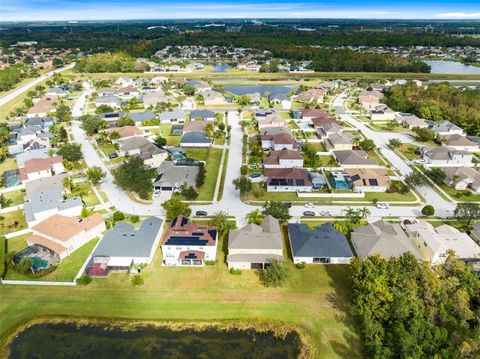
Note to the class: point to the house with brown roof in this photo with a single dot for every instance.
(368, 179)
(213, 98)
(64, 235)
(277, 138)
(283, 159)
(126, 132)
(338, 141)
(311, 96)
(370, 99)
(288, 180)
(328, 128)
(127, 92)
(154, 98)
(319, 121)
(43, 107)
(459, 143)
(272, 120)
(308, 114)
(41, 167)
(187, 244)
(409, 120)
(195, 126)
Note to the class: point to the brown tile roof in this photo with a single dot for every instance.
(361, 176)
(127, 89)
(36, 239)
(457, 140)
(280, 138)
(275, 156)
(44, 105)
(126, 131)
(183, 227)
(63, 228)
(322, 120)
(39, 164)
(194, 126)
(314, 112)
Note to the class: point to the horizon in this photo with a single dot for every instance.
(124, 10)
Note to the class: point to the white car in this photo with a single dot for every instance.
(156, 194)
(325, 213)
(309, 205)
(382, 205)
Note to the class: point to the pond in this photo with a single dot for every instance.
(66, 340)
(220, 67)
(240, 90)
(452, 67)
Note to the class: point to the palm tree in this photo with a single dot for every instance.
(220, 220)
(364, 212)
(342, 226)
(352, 214)
(254, 217)
(68, 183)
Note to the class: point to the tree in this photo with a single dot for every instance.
(188, 192)
(160, 141)
(277, 210)
(200, 179)
(242, 184)
(92, 124)
(353, 215)
(175, 207)
(367, 145)
(68, 183)
(243, 170)
(364, 212)
(415, 179)
(125, 121)
(394, 143)
(466, 213)
(423, 134)
(71, 152)
(221, 221)
(342, 226)
(118, 216)
(25, 265)
(437, 175)
(57, 62)
(276, 274)
(428, 210)
(254, 217)
(95, 175)
(133, 175)
(63, 113)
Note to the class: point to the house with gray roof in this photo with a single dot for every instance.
(150, 153)
(253, 246)
(171, 177)
(139, 117)
(323, 245)
(25, 156)
(202, 114)
(445, 128)
(124, 246)
(172, 116)
(354, 159)
(383, 238)
(195, 139)
(112, 101)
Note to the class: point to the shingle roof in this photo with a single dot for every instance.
(263, 237)
(353, 157)
(202, 114)
(195, 137)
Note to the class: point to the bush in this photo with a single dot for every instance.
(134, 218)
(301, 265)
(3, 256)
(428, 210)
(209, 263)
(118, 216)
(235, 271)
(244, 170)
(24, 266)
(137, 280)
(84, 280)
(276, 274)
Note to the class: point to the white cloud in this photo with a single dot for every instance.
(460, 15)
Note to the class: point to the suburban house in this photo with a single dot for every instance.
(205, 115)
(124, 81)
(127, 92)
(44, 123)
(409, 120)
(383, 238)
(188, 104)
(105, 91)
(462, 178)
(458, 142)
(125, 246)
(354, 159)
(195, 139)
(151, 154)
(139, 117)
(382, 113)
(370, 99)
(445, 128)
(272, 120)
(158, 80)
(108, 100)
(188, 244)
(283, 159)
(28, 155)
(307, 115)
(64, 235)
(322, 245)
(277, 138)
(434, 242)
(368, 179)
(194, 126)
(41, 167)
(282, 100)
(126, 132)
(111, 118)
(213, 98)
(171, 176)
(328, 128)
(172, 116)
(444, 156)
(154, 98)
(253, 246)
(43, 107)
(288, 180)
(338, 141)
(57, 91)
(311, 96)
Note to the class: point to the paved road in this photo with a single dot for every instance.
(11, 95)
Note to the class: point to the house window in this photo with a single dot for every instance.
(321, 260)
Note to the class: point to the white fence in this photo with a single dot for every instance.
(38, 282)
(330, 195)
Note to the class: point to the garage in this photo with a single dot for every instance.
(256, 266)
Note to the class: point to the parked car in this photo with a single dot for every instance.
(287, 204)
(256, 175)
(112, 155)
(309, 205)
(325, 213)
(309, 213)
(156, 194)
(382, 205)
(201, 213)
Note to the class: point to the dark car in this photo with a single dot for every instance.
(112, 155)
(256, 175)
(201, 213)
(287, 204)
(309, 213)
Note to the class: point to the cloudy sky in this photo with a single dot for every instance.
(37, 10)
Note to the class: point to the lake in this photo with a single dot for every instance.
(452, 67)
(220, 68)
(240, 90)
(67, 340)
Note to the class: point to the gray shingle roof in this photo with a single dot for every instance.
(142, 116)
(324, 241)
(266, 236)
(170, 175)
(126, 241)
(25, 156)
(202, 114)
(172, 115)
(195, 137)
(46, 199)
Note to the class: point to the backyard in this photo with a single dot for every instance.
(12, 222)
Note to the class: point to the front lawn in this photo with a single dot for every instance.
(12, 222)
(107, 147)
(462, 196)
(14, 198)
(85, 191)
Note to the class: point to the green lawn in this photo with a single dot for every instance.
(172, 140)
(16, 244)
(85, 191)
(462, 196)
(107, 148)
(408, 150)
(8, 164)
(14, 198)
(386, 128)
(66, 270)
(12, 222)
(224, 172)
(317, 146)
(315, 299)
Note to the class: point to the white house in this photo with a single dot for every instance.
(444, 156)
(462, 178)
(288, 180)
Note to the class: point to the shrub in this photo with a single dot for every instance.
(24, 265)
(301, 265)
(428, 210)
(275, 275)
(84, 280)
(134, 218)
(118, 216)
(137, 280)
(244, 170)
(209, 263)
(235, 271)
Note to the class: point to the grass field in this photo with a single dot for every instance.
(315, 298)
(14, 198)
(12, 222)
(88, 195)
(166, 132)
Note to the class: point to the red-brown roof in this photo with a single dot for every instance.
(276, 156)
(38, 164)
(183, 227)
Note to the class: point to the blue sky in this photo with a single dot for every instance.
(36, 10)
